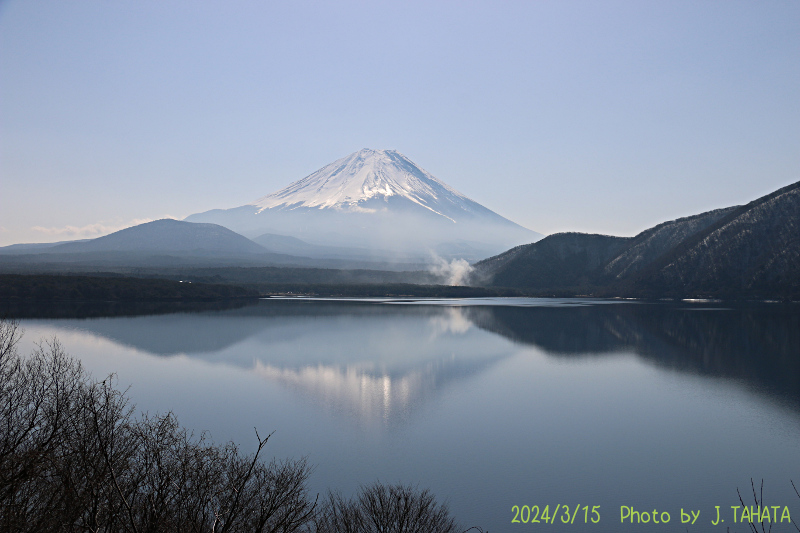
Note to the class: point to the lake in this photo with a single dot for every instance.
(490, 403)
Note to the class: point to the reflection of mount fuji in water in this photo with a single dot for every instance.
(369, 393)
(374, 363)
(384, 362)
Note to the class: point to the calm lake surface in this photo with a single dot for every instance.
(490, 403)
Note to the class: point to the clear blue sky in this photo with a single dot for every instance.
(604, 117)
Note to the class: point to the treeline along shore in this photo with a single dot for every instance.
(116, 287)
(113, 287)
(124, 288)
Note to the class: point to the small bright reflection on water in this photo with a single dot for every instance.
(490, 403)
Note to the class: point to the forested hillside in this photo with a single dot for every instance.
(750, 251)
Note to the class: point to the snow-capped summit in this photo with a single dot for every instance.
(376, 199)
(355, 182)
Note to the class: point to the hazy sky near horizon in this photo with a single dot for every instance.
(604, 117)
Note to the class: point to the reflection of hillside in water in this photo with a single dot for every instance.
(172, 329)
(79, 309)
(758, 344)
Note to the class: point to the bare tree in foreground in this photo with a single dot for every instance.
(382, 508)
(74, 458)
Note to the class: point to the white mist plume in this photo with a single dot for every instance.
(456, 272)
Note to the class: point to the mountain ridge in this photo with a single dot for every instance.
(171, 243)
(166, 235)
(741, 251)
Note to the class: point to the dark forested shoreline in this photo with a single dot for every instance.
(112, 287)
(16, 289)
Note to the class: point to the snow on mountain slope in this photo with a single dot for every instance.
(355, 182)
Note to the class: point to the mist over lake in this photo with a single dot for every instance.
(490, 403)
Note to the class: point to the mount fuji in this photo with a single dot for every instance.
(377, 201)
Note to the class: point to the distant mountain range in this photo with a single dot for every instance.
(376, 200)
(174, 243)
(743, 251)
